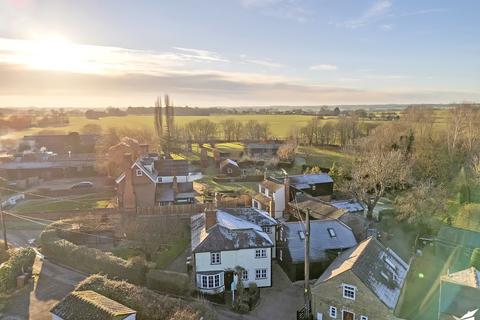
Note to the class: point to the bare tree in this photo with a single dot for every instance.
(287, 150)
(231, 129)
(373, 172)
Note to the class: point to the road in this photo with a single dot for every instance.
(51, 283)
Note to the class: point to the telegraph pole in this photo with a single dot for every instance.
(307, 265)
(4, 227)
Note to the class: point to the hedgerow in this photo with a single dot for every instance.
(21, 261)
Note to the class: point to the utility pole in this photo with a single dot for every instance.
(4, 227)
(307, 265)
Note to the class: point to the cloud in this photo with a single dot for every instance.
(198, 54)
(265, 63)
(282, 9)
(386, 27)
(323, 67)
(372, 14)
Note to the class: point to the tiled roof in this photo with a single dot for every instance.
(379, 268)
(89, 305)
(469, 277)
(319, 209)
(256, 216)
(320, 239)
(270, 185)
(220, 238)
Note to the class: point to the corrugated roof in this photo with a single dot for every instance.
(319, 209)
(379, 268)
(89, 305)
(320, 239)
(300, 181)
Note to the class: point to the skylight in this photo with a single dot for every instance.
(301, 234)
(331, 232)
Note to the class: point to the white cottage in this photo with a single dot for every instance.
(222, 242)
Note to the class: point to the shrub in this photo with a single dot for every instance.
(91, 260)
(169, 282)
(254, 292)
(21, 261)
(148, 304)
(475, 259)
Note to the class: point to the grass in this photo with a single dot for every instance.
(280, 125)
(90, 201)
(165, 257)
(321, 156)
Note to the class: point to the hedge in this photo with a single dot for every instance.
(91, 260)
(148, 304)
(475, 258)
(169, 282)
(21, 261)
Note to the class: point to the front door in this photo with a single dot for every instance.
(347, 315)
(228, 280)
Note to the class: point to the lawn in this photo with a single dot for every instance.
(324, 157)
(89, 201)
(280, 125)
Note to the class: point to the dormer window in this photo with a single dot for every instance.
(138, 173)
(331, 232)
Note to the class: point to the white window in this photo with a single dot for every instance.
(260, 274)
(263, 190)
(363, 318)
(267, 229)
(211, 281)
(261, 253)
(349, 292)
(215, 258)
(245, 275)
(138, 173)
(314, 187)
(332, 311)
(229, 170)
(281, 255)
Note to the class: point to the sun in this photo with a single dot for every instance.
(58, 54)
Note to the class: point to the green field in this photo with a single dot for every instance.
(280, 125)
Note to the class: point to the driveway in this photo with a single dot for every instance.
(279, 302)
(52, 283)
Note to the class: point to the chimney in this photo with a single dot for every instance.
(286, 183)
(127, 161)
(210, 218)
(144, 149)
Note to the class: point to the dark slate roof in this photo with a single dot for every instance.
(89, 305)
(305, 180)
(170, 167)
(379, 268)
(320, 239)
(457, 236)
(258, 217)
(220, 238)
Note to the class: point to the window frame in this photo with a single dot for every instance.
(138, 172)
(245, 275)
(267, 229)
(349, 288)
(259, 274)
(215, 258)
(260, 253)
(210, 281)
(363, 317)
(334, 313)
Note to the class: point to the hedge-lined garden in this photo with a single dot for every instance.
(20, 262)
(91, 260)
(148, 304)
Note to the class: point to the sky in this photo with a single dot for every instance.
(238, 52)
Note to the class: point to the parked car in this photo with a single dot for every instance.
(82, 185)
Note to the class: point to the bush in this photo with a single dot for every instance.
(21, 261)
(169, 282)
(148, 304)
(475, 259)
(91, 260)
(254, 292)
